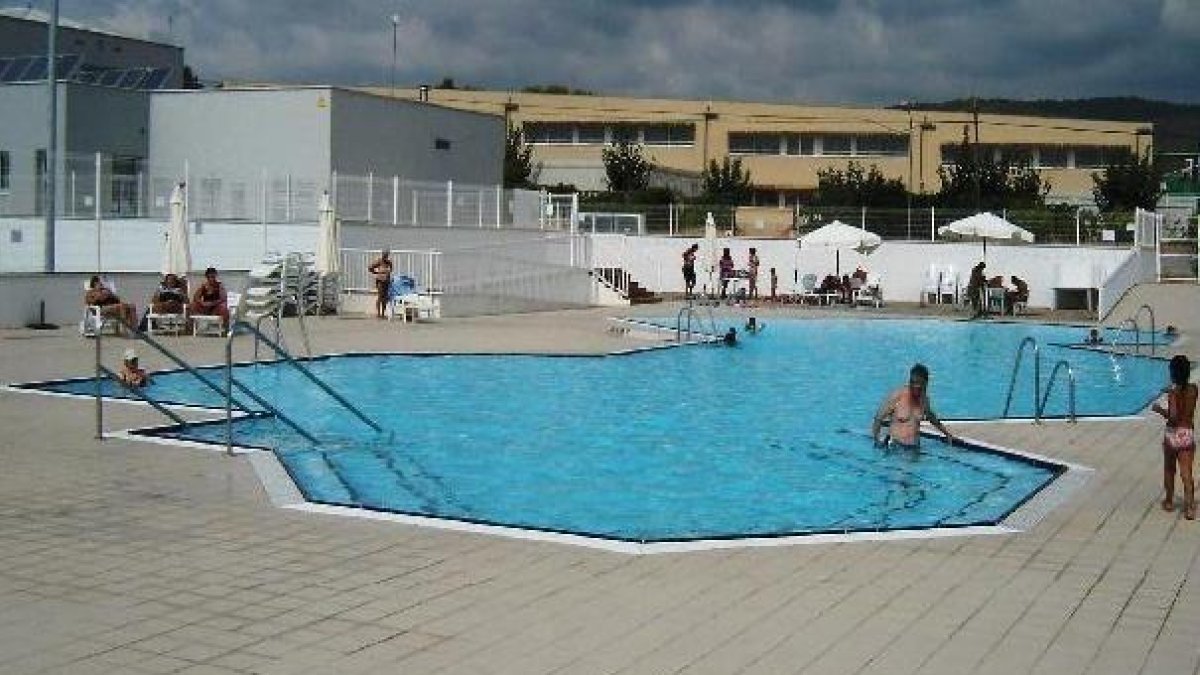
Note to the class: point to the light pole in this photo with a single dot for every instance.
(908, 189)
(395, 29)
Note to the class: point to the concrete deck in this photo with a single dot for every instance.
(129, 557)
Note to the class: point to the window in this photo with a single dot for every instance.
(1094, 156)
(888, 145)
(1052, 157)
(590, 132)
(837, 144)
(441, 144)
(799, 145)
(549, 133)
(625, 132)
(5, 169)
(744, 143)
(669, 134)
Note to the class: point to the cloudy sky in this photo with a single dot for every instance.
(869, 52)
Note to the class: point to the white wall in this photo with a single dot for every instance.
(136, 245)
(655, 262)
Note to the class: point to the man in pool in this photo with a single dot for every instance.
(904, 409)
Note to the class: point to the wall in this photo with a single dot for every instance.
(238, 133)
(136, 245)
(655, 263)
(103, 119)
(397, 137)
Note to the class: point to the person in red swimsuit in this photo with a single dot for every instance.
(904, 409)
(210, 298)
(1179, 437)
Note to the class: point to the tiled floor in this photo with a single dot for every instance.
(127, 557)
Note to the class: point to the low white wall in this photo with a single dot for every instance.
(655, 262)
(136, 244)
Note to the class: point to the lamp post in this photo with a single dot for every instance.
(395, 30)
(908, 188)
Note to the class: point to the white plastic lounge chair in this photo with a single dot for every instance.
(871, 292)
(94, 320)
(174, 323)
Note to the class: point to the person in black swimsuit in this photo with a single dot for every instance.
(382, 269)
(689, 270)
(101, 296)
(171, 296)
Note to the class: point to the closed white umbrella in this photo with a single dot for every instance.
(710, 242)
(837, 236)
(177, 252)
(329, 259)
(986, 226)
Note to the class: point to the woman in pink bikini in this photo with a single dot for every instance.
(904, 409)
(1179, 438)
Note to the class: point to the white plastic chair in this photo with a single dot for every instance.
(94, 320)
(871, 292)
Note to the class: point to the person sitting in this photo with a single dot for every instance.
(211, 299)
(753, 326)
(131, 374)
(170, 297)
(860, 274)
(1019, 293)
(1093, 338)
(830, 285)
(99, 295)
(730, 338)
(975, 289)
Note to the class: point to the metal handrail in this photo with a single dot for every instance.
(1137, 314)
(690, 311)
(1037, 375)
(140, 394)
(1050, 387)
(1137, 334)
(309, 374)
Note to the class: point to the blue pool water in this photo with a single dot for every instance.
(769, 438)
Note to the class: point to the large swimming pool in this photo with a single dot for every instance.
(700, 442)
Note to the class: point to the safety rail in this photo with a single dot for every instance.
(1153, 327)
(1050, 387)
(690, 312)
(1037, 375)
(1137, 335)
(225, 393)
(283, 353)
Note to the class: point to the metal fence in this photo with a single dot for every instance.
(100, 186)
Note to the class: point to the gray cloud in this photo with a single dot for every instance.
(832, 51)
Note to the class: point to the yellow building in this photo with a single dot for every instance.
(784, 146)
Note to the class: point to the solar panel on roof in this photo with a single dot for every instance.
(88, 74)
(132, 78)
(66, 65)
(16, 71)
(5, 64)
(111, 78)
(37, 70)
(156, 78)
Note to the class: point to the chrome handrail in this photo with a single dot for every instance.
(1137, 334)
(1050, 387)
(313, 378)
(690, 311)
(1037, 375)
(1137, 314)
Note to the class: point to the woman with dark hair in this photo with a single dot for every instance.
(725, 266)
(1179, 437)
(689, 269)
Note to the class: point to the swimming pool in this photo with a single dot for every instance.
(766, 439)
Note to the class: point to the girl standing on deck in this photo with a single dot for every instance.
(1179, 438)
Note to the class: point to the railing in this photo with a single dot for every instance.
(689, 311)
(1037, 376)
(1153, 327)
(423, 266)
(1127, 274)
(1041, 410)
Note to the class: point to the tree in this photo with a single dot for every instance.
(1128, 182)
(856, 187)
(986, 183)
(726, 183)
(625, 169)
(518, 160)
(190, 80)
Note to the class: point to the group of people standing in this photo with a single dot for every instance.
(726, 272)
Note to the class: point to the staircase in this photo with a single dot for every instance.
(620, 281)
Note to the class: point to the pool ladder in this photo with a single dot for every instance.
(1132, 321)
(226, 393)
(1040, 399)
(689, 312)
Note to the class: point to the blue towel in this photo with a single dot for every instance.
(402, 284)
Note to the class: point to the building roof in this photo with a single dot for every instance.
(38, 16)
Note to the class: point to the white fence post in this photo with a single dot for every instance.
(499, 195)
(449, 203)
(370, 195)
(932, 224)
(395, 200)
(287, 204)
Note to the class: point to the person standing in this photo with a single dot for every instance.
(774, 285)
(689, 270)
(1179, 436)
(904, 409)
(382, 269)
(752, 265)
(725, 268)
(976, 287)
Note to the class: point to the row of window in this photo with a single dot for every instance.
(1042, 156)
(597, 133)
(824, 144)
(5, 169)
